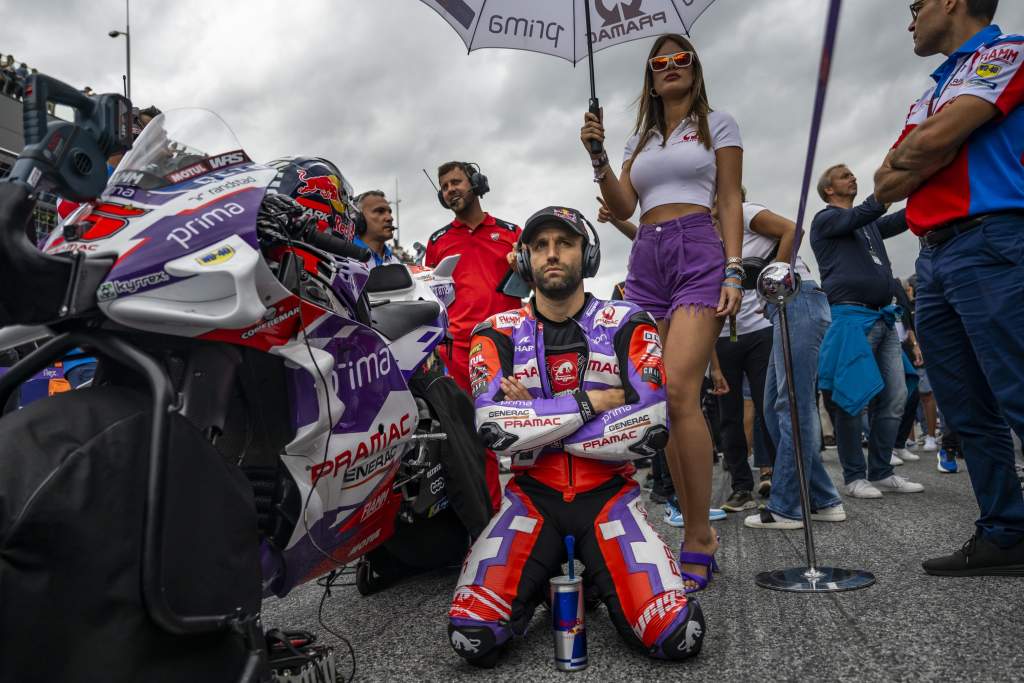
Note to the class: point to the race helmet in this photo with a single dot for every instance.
(320, 188)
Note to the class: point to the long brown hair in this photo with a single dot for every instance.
(650, 114)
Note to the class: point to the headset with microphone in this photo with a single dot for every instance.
(360, 219)
(477, 181)
(591, 243)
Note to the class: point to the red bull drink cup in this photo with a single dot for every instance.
(567, 623)
(567, 615)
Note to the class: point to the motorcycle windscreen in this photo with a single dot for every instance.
(176, 146)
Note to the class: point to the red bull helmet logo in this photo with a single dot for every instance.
(327, 186)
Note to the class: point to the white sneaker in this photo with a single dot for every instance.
(897, 484)
(836, 513)
(860, 488)
(894, 460)
(766, 520)
(929, 444)
(911, 443)
(906, 455)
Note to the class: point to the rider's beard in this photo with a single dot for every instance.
(563, 286)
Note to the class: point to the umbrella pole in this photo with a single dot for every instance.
(595, 106)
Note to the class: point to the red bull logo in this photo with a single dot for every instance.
(324, 185)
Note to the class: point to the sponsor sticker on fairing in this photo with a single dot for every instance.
(115, 288)
(221, 254)
(356, 464)
(276, 320)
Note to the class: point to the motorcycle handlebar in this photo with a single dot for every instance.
(335, 245)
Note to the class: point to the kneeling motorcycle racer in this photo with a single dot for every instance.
(572, 388)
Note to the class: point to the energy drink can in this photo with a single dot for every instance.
(567, 623)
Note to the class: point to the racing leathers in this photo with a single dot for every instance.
(572, 476)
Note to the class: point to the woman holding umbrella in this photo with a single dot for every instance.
(681, 157)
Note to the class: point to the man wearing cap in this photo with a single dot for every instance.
(960, 165)
(572, 388)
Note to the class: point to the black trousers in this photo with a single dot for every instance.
(747, 356)
(907, 423)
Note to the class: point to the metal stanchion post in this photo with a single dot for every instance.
(778, 284)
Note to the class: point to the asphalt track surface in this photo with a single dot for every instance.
(907, 627)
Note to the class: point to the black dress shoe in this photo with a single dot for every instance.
(979, 557)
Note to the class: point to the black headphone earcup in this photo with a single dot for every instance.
(479, 183)
(591, 260)
(440, 198)
(523, 264)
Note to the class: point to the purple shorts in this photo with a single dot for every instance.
(680, 262)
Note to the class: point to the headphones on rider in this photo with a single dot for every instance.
(477, 181)
(591, 245)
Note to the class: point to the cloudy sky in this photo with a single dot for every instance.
(385, 88)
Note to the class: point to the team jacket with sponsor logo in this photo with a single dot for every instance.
(479, 272)
(987, 174)
(559, 438)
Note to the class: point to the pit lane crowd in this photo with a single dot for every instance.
(885, 371)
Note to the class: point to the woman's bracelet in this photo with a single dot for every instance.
(732, 285)
(736, 272)
(599, 161)
(598, 177)
(734, 260)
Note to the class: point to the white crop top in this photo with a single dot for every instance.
(683, 171)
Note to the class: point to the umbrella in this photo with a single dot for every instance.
(563, 28)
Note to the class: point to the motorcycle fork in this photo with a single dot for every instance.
(415, 469)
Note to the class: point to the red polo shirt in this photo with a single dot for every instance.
(483, 265)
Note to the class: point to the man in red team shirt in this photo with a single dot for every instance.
(484, 242)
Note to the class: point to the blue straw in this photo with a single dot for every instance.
(570, 548)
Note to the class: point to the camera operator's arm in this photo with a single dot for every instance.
(637, 428)
(508, 425)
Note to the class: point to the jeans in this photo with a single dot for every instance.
(885, 410)
(748, 357)
(969, 319)
(809, 317)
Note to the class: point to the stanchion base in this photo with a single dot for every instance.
(820, 580)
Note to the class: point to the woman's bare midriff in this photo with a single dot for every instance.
(667, 212)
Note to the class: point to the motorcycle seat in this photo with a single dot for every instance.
(398, 318)
(392, 277)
